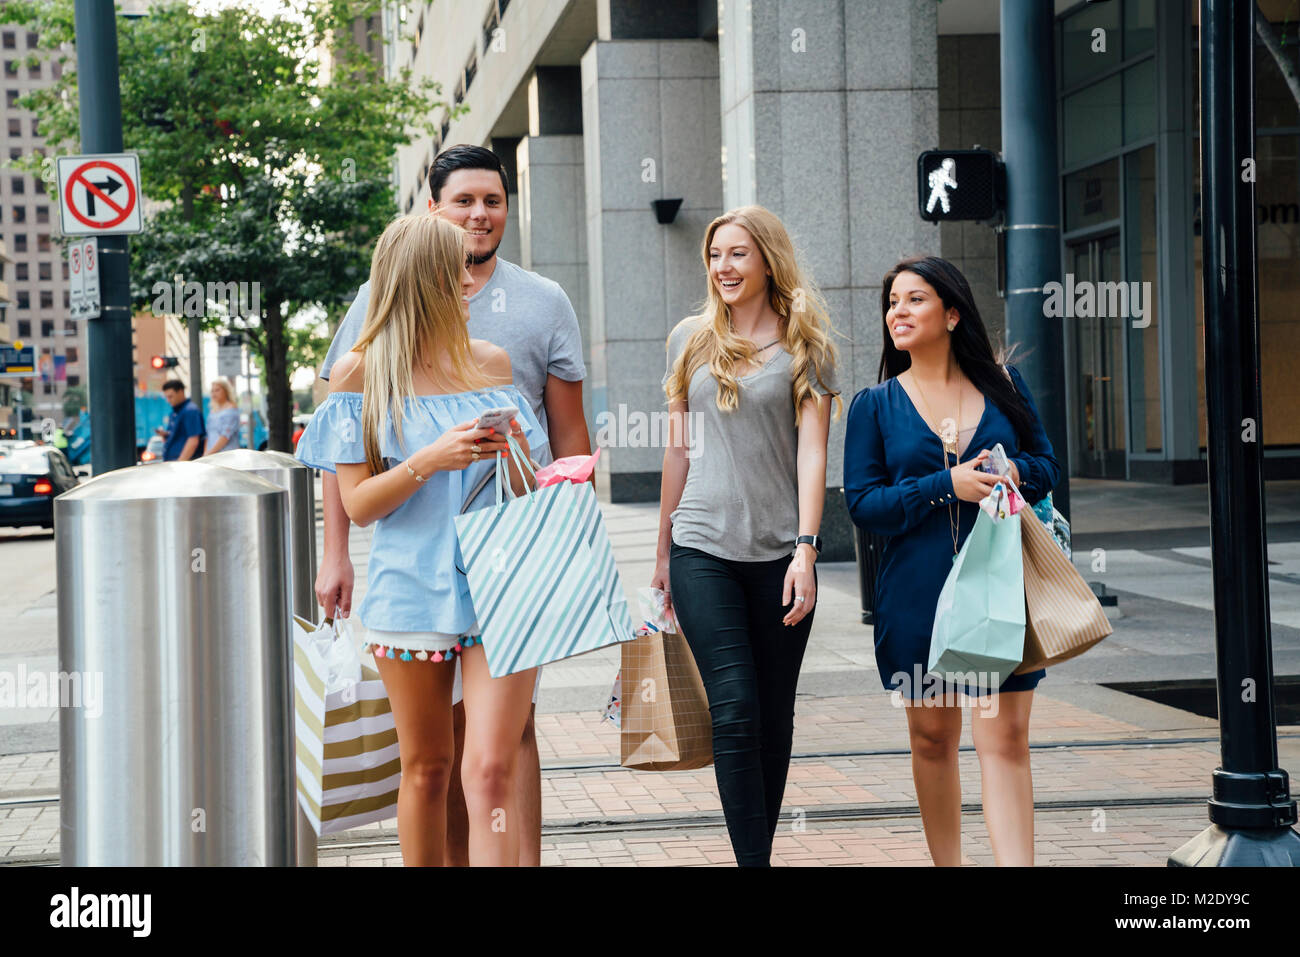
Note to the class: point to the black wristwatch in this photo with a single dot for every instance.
(813, 540)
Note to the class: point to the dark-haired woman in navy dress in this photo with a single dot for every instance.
(912, 451)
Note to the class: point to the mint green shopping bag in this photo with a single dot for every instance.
(978, 638)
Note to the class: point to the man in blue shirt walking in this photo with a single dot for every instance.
(184, 433)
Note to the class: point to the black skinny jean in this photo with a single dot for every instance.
(731, 615)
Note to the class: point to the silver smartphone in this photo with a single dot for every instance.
(497, 418)
(996, 463)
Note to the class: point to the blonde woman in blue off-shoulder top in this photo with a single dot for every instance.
(399, 429)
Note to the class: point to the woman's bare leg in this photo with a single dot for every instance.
(496, 710)
(420, 696)
(935, 733)
(1002, 742)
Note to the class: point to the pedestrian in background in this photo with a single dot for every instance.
(399, 428)
(741, 503)
(183, 434)
(909, 474)
(223, 417)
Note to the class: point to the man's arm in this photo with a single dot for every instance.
(335, 577)
(191, 446)
(566, 423)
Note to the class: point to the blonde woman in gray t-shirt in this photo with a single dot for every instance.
(741, 503)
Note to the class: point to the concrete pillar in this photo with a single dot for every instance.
(825, 106)
(650, 131)
(505, 148)
(553, 226)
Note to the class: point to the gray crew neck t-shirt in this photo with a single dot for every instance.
(741, 499)
(525, 314)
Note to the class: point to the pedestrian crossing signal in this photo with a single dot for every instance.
(164, 362)
(960, 185)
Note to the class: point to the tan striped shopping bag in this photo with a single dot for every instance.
(1062, 616)
(348, 765)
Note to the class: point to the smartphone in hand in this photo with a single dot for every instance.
(996, 463)
(497, 419)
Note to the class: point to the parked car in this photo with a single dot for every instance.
(30, 479)
(153, 450)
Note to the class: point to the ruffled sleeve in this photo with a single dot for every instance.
(532, 429)
(334, 434)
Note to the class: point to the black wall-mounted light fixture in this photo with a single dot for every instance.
(666, 210)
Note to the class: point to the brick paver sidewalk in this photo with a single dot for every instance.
(1108, 792)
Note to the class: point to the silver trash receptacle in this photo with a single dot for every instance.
(282, 469)
(174, 602)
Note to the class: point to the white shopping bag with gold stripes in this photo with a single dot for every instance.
(348, 765)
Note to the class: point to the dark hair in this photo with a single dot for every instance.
(970, 340)
(464, 157)
(173, 385)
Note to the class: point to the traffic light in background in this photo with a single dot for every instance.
(164, 362)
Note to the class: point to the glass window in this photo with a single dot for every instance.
(11, 99)
(42, 214)
(19, 214)
(1139, 27)
(11, 67)
(1092, 195)
(1140, 101)
(9, 43)
(15, 127)
(20, 270)
(18, 185)
(20, 242)
(24, 328)
(47, 328)
(1090, 43)
(34, 70)
(74, 380)
(1274, 105)
(23, 299)
(43, 242)
(47, 299)
(1141, 271)
(43, 271)
(72, 353)
(1092, 121)
(32, 40)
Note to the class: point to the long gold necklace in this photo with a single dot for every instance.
(949, 448)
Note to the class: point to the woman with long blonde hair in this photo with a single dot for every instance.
(399, 427)
(750, 385)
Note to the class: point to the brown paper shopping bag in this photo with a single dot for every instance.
(665, 719)
(1062, 616)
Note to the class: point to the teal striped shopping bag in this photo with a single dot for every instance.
(541, 574)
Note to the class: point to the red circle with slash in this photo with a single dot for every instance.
(79, 176)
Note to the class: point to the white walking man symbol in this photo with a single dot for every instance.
(941, 180)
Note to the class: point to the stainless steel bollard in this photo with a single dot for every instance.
(288, 473)
(173, 592)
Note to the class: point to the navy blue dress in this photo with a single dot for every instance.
(895, 484)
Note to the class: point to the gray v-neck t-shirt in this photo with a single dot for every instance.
(741, 499)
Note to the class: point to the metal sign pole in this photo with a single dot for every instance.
(112, 398)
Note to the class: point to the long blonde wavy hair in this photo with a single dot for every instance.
(805, 320)
(414, 318)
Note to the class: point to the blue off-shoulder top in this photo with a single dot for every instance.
(413, 579)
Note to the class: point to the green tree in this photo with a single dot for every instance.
(269, 141)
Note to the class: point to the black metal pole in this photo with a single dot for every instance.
(1251, 809)
(1033, 234)
(112, 374)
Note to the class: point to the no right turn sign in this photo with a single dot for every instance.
(100, 195)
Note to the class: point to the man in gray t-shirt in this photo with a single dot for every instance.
(530, 317)
(525, 314)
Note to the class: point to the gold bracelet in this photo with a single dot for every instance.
(413, 473)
